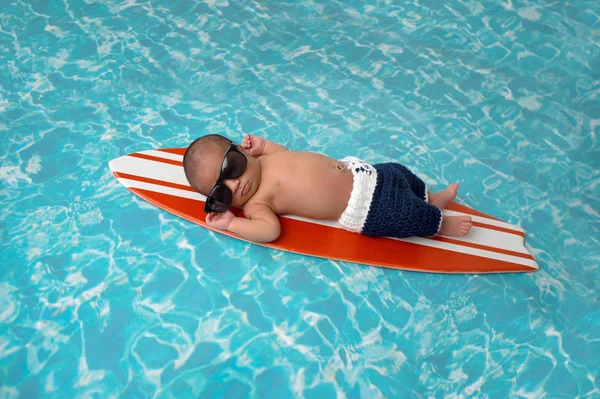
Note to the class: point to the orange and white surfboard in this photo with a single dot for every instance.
(492, 246)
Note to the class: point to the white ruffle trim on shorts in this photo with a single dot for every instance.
(365, 179)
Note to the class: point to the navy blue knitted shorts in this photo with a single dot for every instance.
(399, 207)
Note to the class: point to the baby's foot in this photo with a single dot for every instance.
(442, 198)
(456, 225)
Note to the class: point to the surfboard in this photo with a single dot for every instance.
(492, 246)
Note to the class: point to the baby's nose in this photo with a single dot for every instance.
(232, 184)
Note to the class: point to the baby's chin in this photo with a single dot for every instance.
(241, 204)
(244, 201)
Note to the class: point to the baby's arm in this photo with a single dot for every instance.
(259, 225)
(271, 147)
(257, 146)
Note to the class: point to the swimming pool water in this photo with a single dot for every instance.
(104, 296)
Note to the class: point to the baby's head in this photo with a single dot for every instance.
(203, 163)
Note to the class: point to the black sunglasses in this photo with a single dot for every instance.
(233, 166)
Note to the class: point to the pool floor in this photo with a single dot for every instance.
(102, 295)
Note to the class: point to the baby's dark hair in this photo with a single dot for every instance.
(193, 159)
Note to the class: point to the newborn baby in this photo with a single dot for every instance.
(267, 180)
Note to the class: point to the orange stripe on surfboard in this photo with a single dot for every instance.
(326, 242)
(176, 151)
(497, 228)
(122, 175)
(156, 159)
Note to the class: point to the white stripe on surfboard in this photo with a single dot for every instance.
(162, 189)
(493, 238)
(162, 154)
(174, 174)
(472, 251)
(417, 240)
(148, 169)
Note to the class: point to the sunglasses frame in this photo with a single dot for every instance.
(208, 206)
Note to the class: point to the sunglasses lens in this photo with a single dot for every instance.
(219, 200)
(234, 165)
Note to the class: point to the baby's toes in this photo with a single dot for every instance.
(465, 228)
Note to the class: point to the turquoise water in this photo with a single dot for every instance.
(104, 296)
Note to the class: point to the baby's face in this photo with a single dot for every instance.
(242, 188)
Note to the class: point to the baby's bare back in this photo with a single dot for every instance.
(304, 184)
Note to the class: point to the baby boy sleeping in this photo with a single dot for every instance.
(267, 180)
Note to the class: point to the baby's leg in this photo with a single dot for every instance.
(442, 198)
(456, 225)
(405, 216)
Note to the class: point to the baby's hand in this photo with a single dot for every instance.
(220, 221)
(253, 145)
